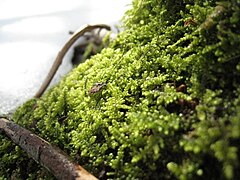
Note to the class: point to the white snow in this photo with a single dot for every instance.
(31, 34)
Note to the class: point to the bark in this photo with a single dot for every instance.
(44, 153)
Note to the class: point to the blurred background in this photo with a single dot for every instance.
(31, 34)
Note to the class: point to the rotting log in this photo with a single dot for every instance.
(50, 157)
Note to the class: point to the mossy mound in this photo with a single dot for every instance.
(166, 104)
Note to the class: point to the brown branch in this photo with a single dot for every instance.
(44, 153)
(64, 50)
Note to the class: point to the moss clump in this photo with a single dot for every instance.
(170, 106)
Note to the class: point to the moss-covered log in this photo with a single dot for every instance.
(169, 107)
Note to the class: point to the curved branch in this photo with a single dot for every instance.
(44, 153)
(64, 50)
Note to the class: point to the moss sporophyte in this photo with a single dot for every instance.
(166, 103)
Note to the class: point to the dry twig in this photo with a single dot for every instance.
(44, 153)
(63, 51)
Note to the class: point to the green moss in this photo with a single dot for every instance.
(170, 106)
